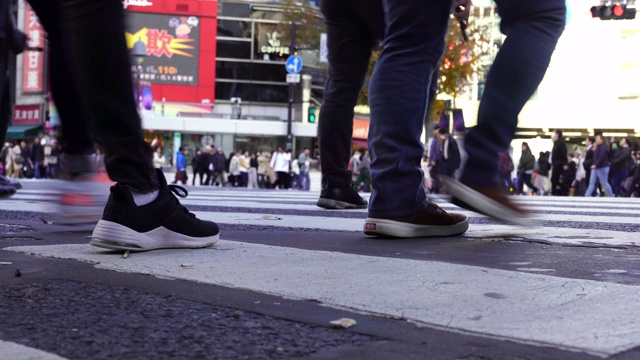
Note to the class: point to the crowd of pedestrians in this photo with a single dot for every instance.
(38, 159)
(601, 168)
(241, 168)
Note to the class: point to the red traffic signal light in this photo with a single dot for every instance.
(613, 12)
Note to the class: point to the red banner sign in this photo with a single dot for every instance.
(27, 114)
(33, 61)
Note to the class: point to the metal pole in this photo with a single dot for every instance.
(292, 47)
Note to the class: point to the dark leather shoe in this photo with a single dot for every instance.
(7, 191)
(333, 197)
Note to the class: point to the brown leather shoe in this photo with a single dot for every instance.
(491, 202)
(431, 221)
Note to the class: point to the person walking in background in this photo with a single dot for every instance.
(304, 162)
(253, 172)
(450, 153)
(202, 163)
(504, 173)
(580, 185)
(364, 172)
(620, 166)
(181, 167)
(159, 161)
(542, 178)
(51, 157)
(244, 166)
(263, 169)
(600, 167)
(234, 169)
(37, 157)
(532, 30)
(526, 166)
(558, 160)
(435, 160)
(219, 161)
(195, 166)
(280, 165)
(354, 29)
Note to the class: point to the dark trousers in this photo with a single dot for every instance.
(532, 29)
(616, 182)
(525, 179)
(353, 30)
(556, 171)
(92, 86)
(282, 180)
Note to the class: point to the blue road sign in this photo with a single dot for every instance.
(294, 64)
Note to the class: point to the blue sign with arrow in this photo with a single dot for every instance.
(294, 64)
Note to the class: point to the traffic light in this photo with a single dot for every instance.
(312, 114)
(613, 12)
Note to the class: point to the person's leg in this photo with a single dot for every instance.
(603, 176)
(593, 178)
(398, 98)
(533, 29)
(529, 183)
(76, 127)
(111, 106)
(353, 29)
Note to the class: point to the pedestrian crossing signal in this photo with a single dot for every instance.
(613, 12)
(312, 114)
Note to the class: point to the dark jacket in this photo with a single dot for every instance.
(588, 160)
(218, 161)
(202, 161)
(621, 159)
(543, 165)
(601, 156)
(527, 161)
(37, 153)
(559, 153)
(452, 161)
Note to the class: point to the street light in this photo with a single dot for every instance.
(139, 52)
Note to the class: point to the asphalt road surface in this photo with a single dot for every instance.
(284, 269)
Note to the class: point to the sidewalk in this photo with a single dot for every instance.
(315, 175)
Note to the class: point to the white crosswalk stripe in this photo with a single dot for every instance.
(519, 303)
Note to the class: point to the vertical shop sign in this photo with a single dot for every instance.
(33, 60)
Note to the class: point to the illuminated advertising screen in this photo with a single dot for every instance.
(172, 47)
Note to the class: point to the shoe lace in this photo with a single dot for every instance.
(181, 192)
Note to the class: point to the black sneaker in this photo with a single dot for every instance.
(5, 181)
(7, 191)
(162, 224)
(332, 197)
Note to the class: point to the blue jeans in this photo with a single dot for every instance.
(304, 180)
(602, 175)
(398, 97)
(532, 29)
(618, 177)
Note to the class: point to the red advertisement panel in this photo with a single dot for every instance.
(33, 61)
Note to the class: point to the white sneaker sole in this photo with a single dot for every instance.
(114, 236)
(386, 227)
(487, 205)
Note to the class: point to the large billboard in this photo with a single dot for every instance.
(172, 46)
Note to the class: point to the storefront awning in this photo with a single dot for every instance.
(23, 131)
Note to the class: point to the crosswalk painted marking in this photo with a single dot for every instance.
(575, 314)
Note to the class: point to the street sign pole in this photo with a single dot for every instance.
(292, 47)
